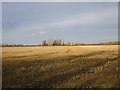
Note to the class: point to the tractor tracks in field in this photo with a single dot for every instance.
(65, 58)
(53, 61)
(83, 56)
(37, 55)
(60, 77)
(68, 50)
(49, 82)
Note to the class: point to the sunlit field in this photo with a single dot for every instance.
(60, 66)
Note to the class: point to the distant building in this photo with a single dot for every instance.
(57, 42)
(73, 43)
(44, 43)
(52, 42)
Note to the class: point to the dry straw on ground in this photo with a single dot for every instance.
(60, 66)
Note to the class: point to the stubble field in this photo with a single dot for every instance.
(60, 67)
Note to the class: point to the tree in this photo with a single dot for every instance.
(50, 42)
(54, 43)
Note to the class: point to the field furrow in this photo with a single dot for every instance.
(57, 67)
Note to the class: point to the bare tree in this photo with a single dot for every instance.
(50, 41)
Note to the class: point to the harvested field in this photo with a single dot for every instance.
(60, 67)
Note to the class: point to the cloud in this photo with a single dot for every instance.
(35, 34)
(107, 17)
(31, 35)
(42, 32)
(102, 17)
(91, 22)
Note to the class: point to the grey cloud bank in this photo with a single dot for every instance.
(30, 23)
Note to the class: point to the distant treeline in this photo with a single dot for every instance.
(106, 43)
(110, 43)
(6, 45)
(59, 42)
(55, 43)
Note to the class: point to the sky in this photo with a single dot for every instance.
(29, 23)
(0, 23)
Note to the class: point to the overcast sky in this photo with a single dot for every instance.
(30, 23)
